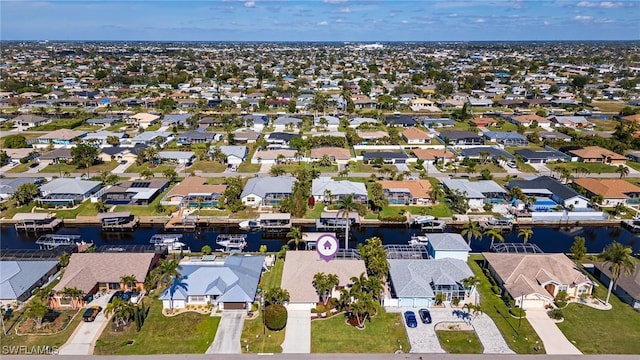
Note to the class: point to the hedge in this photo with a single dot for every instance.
(275, 317)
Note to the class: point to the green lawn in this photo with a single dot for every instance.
(360, 167)
(56, 340)
(248, 167)
(634, 165)
(86, 208)
(92, 170)
(293, 167)
(609, 106)
(143, 210)
(495, 308)
(20, 168)
(315, 213)
(272, 278)
(593, 168)
(460, 342)
(9, 209)
(59, 124)
(187, 333)
(439, 210)
(524, 167)
(382, 335)
(135, 168)
(116, 127)
(207, 166)
(507, 127)
(616, 331)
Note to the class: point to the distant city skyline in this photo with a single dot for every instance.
(319, 20)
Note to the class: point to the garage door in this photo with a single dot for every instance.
(533, 304)
(234, 306)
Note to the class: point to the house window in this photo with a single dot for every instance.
(251, 199)
(562, 288)
(114, 286)
(197, 298)
(583, 290)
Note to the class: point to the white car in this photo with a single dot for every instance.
(512, 165)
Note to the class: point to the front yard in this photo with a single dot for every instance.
(616, 331)
(207, 166)
(41, 341)
(493, 306)
(135, 168)
(63, 168)
(592, 168)
(383, 335)
(188, 333)
(460, 342)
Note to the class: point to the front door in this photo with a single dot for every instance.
(550, 289)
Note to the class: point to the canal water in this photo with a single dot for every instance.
(549, 239)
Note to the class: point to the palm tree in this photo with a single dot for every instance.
(36, 310)
(362, 307)
(129, 281)
(296, 237)
(472, 231)
(122, 311)
(618, 260)
(167, 270)
(469, 282)
(324, 284)
(525, 234)
(151, 153)
(277, 171)
(494, 234)
(346, 206)
(623, 170)
(75, 294)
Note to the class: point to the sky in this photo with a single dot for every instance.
(320, 20)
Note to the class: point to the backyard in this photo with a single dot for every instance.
(616, 331)
(187, 333)
(87, 208)
(521, 338)
(383, 335)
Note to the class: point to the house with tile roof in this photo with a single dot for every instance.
(19, 278)
(483, 122)
(24, 122)
(415, 283)
(341, 155)
(193, 191)
(529, 119)
(429, 155)
(143, 120)
(324, 187)
(613, 191)
(94, 272)
(534, 280)
(229, 283)
(416, 136)
(596, 154)
(267, 191)
(404, 192)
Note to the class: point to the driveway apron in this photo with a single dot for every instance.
(555, 343)
(227, 340)
(84, 338)
(297, 338)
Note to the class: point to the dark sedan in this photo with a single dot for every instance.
(410, 319)
(425, 316)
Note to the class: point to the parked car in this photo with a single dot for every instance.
(512, 164)
(122, 162)
(91, 313)
(117, 294)
(34, 165)
(410, 319)
(425, 316)
(126, 296)
(135, 297)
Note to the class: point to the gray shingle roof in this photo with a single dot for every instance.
(475, 189)
(545, 182)
(16, 277)
(238, 151)
(448, 241)
(69, 186)
(261, 186)
(412, 278)
(342, 187)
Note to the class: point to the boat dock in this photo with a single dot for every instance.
(275, 222)
(50, 241)
(311, 238)
(632, 225)
(118, 221)
(503, 224)
(232, 242)
(36, 222)
(433, 226)
(335, 220)
(182, 222)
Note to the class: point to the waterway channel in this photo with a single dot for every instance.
(549, 239)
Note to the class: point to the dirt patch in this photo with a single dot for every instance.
(453, 326)
(53, 322)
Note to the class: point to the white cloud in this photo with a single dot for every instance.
(480, 20)
(405, 21)
(604, 21)
(602, 4)
(250, 4)
(335, 2)
(346, 10)
(323, 23)
(582, 18)
(546, 23)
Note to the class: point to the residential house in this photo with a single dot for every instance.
(267, 191)
(627, 287)
(257, 121)
(340, 155)
(541, 157)
(242, 136)
(24, 122)
(120, 153)
(416, 136)
(192, 192)
(529, 119)
(506, 138)
(477, 192)
(371, 137)
(534, 280)
(185, 158)
(613, 191)
(431, 155)
(285, 122)
(484, 122)
(421, 104)
(105, 121)
(546, 187)
(572, 122)
(415, 283)
(400, 120)
(101, 271)
(9, 185)
(175, 119)
(596, 154)
(554, 135)
(437, 123)
(60, 155)
(332, 122)
(229, 283)
(15, 155)
(134, 192)
(58, 138)
(490, 152)
(388, 157)
(301, 267)
(355, 122)
(326, 189)
(20, 278)
(461, 138)
(100, 137)
(279, 139)
(67, 191)
(152, 138)
(273, 156)
(407, 192)
(480, 102)
(197, 137)
(142, 120)
(447, 245)
(236, 154)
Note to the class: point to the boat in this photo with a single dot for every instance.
(170, 241)
(250, 225)
(50, 241)
(423, 219)
(418, 240)
(498, 223)
(232, 242)
(433, 226)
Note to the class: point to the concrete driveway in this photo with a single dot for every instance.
(227, 340)
(297, 337)
(83, 339)
(555, 343)
(121, 168)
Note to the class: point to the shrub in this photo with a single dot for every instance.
(556, 314)
(275, 317)
(517, 312)
(397, 218)
(495, 289)
(561, 304)
(455, 301)
(320, 308)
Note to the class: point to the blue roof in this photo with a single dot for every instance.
(17, 277)
(502, 135)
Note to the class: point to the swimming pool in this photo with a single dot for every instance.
(544, 202)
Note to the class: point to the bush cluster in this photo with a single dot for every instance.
(275, 317)
(556, 314)
(396, 218)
